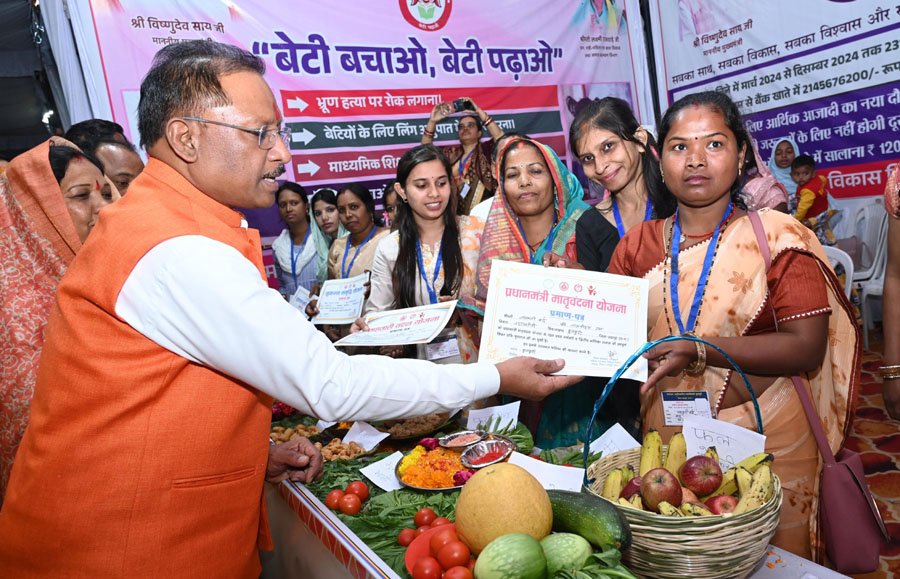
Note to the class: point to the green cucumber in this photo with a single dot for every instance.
(513, 556)
(565, 552)
(595, 519)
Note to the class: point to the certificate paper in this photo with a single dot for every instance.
(341, 300)
(594, 321)
(417, 325)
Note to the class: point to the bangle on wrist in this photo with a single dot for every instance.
(429, 133)
(487, 121)
(699, 365)
(886, 369)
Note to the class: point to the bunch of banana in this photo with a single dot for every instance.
(712, 453)
(752, 463)
(616, 481)
(762, 487)
(633, 503)
(669, 510)
(677, 453)
(651, 452)
(695, 510)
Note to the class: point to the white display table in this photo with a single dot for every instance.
(311, 543)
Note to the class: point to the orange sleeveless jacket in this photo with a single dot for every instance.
(136, 462)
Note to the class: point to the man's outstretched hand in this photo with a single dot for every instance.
(530, 379)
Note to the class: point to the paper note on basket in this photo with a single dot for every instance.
(615, 439)
(494, 418)
(594, 321)
(365, 435)
(733, 443)
(341, 300)
(417, 325)
(384, 472)
(551, 476)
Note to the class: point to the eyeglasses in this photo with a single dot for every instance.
(266, 137)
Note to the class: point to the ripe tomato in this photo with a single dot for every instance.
(458, 573)
(350, 504)
(438, 521)
(424, 517)
(422, 529)
(441, 538)
(406, 537)
(333, 499)
(453, 554)
(427, 568)
(359, 489)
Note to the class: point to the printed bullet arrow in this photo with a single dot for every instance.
(304, 136)
(308, 168)
(297, 103)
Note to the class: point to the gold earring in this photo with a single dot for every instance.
(662, 176)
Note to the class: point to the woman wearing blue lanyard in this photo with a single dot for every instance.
(424, 261)
(758, 286)
(620, 155)
(294, 255)
(352, 254)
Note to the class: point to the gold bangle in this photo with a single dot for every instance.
(895, 369)
(890, 376)
(698, 366)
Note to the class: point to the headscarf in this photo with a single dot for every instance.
(762, 189)
(322, 243)
(37, 243)
(784, 174)
(503, 237)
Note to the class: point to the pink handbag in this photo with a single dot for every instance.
(851, 524)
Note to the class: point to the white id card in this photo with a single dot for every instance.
(678, 404)
(464, 191)
(442, 347)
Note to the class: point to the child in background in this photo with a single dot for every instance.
(812, 198)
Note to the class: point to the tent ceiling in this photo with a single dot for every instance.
(22, 100)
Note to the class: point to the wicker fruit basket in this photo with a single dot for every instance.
(698, 547)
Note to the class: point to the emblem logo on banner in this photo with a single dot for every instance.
(427, 15)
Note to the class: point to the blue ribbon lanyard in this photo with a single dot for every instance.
(432, 293)
(547, 243)
(620, 225)
(345, 271)
(704, 273)
(464, 162)
(294, 258)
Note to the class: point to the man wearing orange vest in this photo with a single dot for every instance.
(147, 447)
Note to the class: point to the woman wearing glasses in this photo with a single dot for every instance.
(470, 160)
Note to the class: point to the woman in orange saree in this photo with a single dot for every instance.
(41, 229)
(708, 277)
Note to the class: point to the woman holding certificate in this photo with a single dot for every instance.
(776, 318)
(532, 219)
(432, 254)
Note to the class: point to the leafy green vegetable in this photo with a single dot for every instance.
(518, 433)
(573, 456)
(607, 563)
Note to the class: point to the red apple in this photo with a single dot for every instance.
(701, 474)
(631, 487)
(660, 485)
(721, 504)
(688, 496)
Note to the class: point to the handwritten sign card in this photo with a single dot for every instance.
(614, 440)
(341, 300)
(551, 476)
(733, 443)
(495, 417)
(594, 321)
(384, 472)
(417, 325)
(365, 435)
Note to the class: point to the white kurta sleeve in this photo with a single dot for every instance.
(201, 299)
